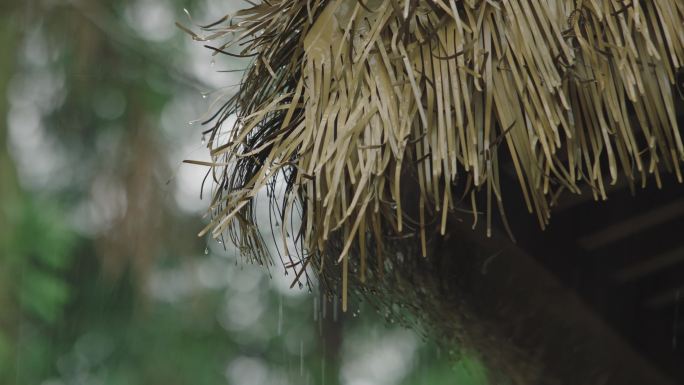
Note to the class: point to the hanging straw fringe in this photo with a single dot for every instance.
(344, 97)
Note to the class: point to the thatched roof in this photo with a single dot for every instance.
(382, 116)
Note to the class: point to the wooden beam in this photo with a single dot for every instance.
(650, 265)
(632, 226)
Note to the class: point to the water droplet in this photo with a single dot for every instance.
(204, 139)
(204, 96)
(219, 241)
(213, 62)
(206, 251)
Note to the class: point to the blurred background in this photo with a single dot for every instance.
(102, 277)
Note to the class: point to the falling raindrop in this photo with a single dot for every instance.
(324, 302)
(320, 326)
(323, 370)
(204, 139)
(280, 315)
(335, 308)
(206, 250)
(301, 358)
(315, 308)
(213, 62)
(675, 325)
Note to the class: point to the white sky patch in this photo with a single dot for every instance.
(40, 161)
(247, 371)
(384, 360)
(188, 185)
(152, 19)
(107, 203)
(185, 140)
(242, 311)
(206, 67)
(38, 157)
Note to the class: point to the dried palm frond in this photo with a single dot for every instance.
(351, 101)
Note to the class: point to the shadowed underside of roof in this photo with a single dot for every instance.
(344, 98)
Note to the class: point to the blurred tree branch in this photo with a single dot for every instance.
(125, 40)
(9, 191)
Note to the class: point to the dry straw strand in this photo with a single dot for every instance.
(345, 99)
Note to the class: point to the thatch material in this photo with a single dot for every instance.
(346, 97)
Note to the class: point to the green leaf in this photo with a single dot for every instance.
(44, 294)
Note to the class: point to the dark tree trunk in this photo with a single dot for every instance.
(498, 302)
